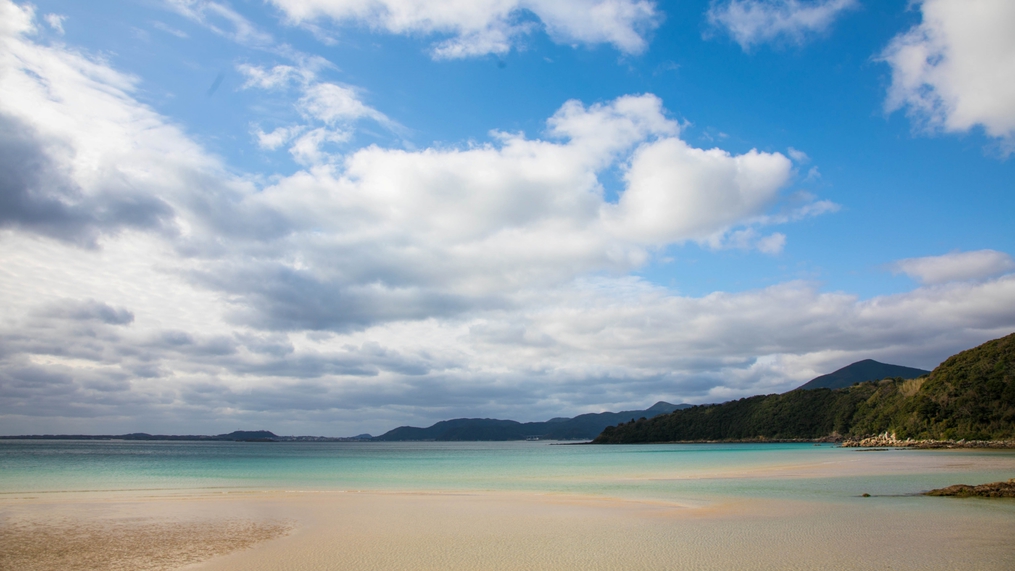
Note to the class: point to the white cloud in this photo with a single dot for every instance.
(16, 19)
(956, 69)
(336, 104)
(170, 30)
(798, 156)
(279, 76)
(754, 22)
(561, 350)
(750, 239)
(676, 192)
(55, 21)
(222, 20)
(307, 149)
(277, 138)
(338, 107)
(772, 244)
(957, 266)
(477, 27)
(82, 158)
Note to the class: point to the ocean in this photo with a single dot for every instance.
(665, 472)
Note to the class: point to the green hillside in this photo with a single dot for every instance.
(862, 371)
(581, 427)
(970, 396)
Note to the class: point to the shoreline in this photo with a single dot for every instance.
(886, 440)
(880, 441)
(991, 490)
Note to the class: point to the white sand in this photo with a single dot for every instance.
(307, 531)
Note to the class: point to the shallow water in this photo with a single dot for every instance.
(662, 472)
(528, 505)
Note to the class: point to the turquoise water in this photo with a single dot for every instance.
(696, 472)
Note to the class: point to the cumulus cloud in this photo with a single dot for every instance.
(490, 26)
(388, 234)
(38, 193)
(676, 192)
(754, 22)
(957, 266)
(956, 69)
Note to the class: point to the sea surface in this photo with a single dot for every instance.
(510, 506)
(687, 473)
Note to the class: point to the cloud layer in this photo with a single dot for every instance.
(149, 287)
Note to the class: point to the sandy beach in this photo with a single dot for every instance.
(309, 531)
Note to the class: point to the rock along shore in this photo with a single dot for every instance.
(994, 490)
(886, 440)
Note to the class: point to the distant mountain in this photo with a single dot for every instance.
(582, 427)
(862, 371)
(970, 396)
(235, 436)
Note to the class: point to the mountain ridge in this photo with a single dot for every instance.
(581, 427)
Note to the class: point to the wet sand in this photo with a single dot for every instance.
(304, 531)
(85, 533)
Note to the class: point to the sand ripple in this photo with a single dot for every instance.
(125, 545)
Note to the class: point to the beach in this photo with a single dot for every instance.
(786, 508)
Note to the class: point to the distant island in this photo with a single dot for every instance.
(969, 397)
(235, 436)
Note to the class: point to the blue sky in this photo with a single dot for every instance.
(338, 216)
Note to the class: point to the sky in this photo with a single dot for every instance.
(332, 217)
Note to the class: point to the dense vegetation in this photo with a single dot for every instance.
(969, 396)
(581, 427)
(861, 371)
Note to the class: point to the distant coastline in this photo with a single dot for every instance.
(890, 441)
(236, 436)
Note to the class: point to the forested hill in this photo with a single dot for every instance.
(582, 427)
(861, 371)
(971, 395)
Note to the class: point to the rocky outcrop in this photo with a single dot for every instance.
(994, 490)
(886, 440)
